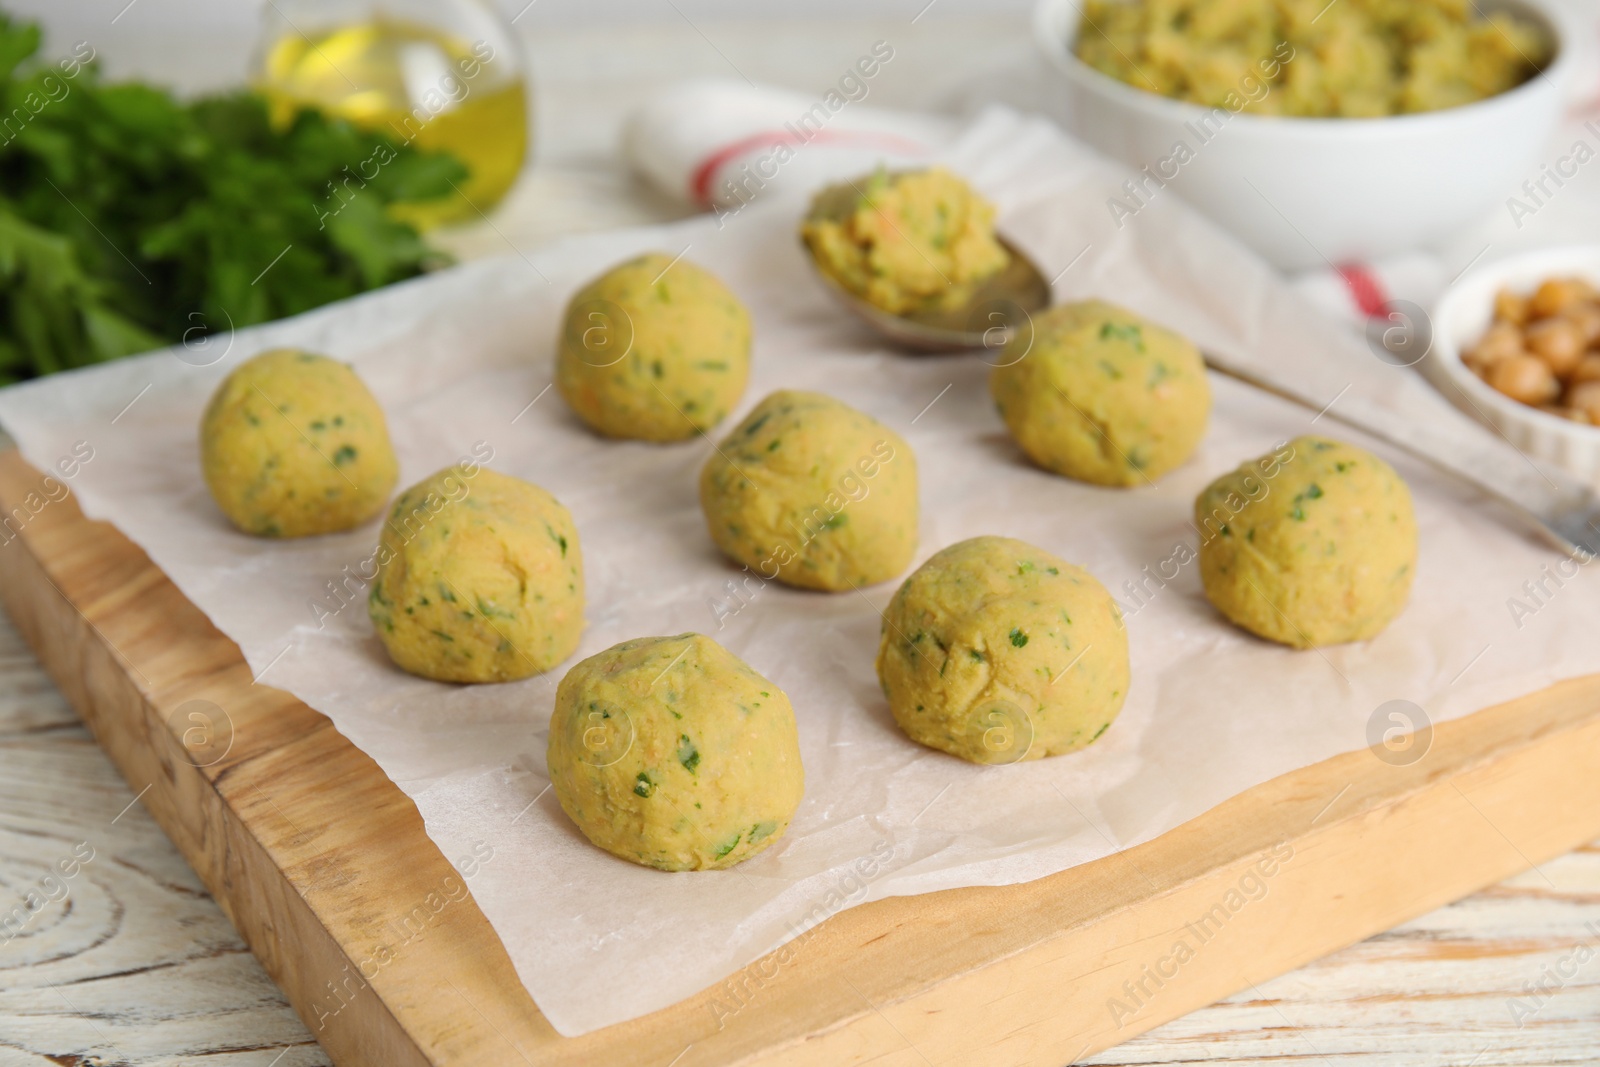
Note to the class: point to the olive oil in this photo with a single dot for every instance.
(422, 87)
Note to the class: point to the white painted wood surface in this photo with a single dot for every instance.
(135, 964)
(128, 961)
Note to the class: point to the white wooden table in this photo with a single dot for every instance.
(137, 966)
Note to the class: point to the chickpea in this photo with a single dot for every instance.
(1557, 341)
(1585, 399)
(1501, 341)
(1511, 307)
(1585, 316)
(1524, 378)
(1587, 370)
(1555, 295)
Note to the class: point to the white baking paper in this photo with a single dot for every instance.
(465, 357)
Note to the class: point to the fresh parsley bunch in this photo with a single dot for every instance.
(130, 219)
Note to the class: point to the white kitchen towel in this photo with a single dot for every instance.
(719, 144)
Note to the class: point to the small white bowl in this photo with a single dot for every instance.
(1459, 319)
(1307, 191)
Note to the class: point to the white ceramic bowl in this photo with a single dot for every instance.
(1459, 319)
(1305, 192)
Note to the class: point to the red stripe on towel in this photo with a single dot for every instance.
(1365, 289)
(700, 180)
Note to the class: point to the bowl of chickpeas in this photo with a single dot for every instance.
(1517, 345)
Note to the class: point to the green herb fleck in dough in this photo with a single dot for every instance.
(975, 654)
(643, 785)
(1129, 332)
(723, 850)
(489, 611)
(1018, 638)
(345, 454)
(688, 755)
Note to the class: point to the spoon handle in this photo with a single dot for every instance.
(1555, 504)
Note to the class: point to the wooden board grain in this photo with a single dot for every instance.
(316, 858)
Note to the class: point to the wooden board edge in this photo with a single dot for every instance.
(1355, 876)
(921, 992)
(224, 851)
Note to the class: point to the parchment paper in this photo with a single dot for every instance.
(458, 359)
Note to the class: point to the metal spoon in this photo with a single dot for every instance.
(1554, 504)
(984, 321)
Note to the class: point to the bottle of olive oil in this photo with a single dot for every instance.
(459, 89)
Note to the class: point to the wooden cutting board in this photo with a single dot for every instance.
(320, 861)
